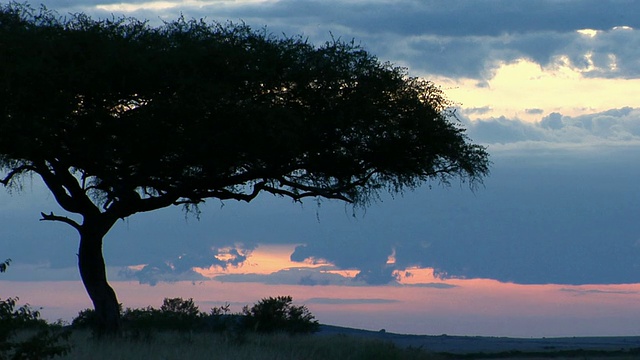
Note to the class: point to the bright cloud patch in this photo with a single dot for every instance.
(518, 87)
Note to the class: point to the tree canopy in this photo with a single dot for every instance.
(136, 118)
(119, 117)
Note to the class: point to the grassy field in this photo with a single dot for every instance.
(168, 345)
(195, 346)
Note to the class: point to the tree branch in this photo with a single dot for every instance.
(64, 219)
(65, 188)
(121, 209)
(299, 196)
(57, 188)
(15, 172)
(329, 193)
(222, 194)
(72, 186)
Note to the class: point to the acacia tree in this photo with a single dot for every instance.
(118, 117)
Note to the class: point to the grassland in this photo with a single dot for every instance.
(195, 346)
(169, 345)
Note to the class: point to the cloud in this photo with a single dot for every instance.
(454, 38)
(613, 127)
(580, 292)
(373, 268)
(152, 274)
(534, 111)
(295, 276)
(502, 130)
(323, 276)
(181, 268)
(478, 110)
(404, 17)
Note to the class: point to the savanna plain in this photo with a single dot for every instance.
(281, 346)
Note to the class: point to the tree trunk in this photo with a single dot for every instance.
(94, 275)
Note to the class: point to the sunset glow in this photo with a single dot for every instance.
(472, 306)
(478, 307)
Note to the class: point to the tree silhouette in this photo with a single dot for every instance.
(118, 117)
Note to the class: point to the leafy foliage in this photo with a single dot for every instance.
(279, 314)
(193, 110)
(48, 341)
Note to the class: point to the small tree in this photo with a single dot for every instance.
(180, 307)
(279, 314)
(117, 117)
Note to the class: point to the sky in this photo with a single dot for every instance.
(548, 245)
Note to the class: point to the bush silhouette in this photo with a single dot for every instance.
(174, 314)
(278, 314)
(268, 315)
(48, 341)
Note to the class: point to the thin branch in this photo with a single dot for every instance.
(329, 193)
(222, 194)
(299, 196)
(64, 219)
(15, 172)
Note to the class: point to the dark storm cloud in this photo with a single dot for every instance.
(409, 17)
(451, 18)
(152, 274)
(181, 267)
(612, 53)
(453, 38)
(372, 265)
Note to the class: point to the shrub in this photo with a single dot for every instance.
(174, 314)
(180, 308)
(86, 319)
(268, 315)
(47, 342)
(278, 314)
(220, 319)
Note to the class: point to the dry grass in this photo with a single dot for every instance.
(174, 345)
